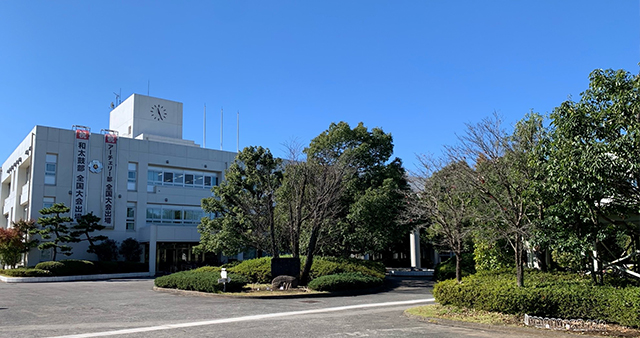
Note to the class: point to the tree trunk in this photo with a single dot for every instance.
(458, 268)
(272, 227)
(519, 264)
(313, 240)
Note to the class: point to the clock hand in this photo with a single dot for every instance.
(159, 114)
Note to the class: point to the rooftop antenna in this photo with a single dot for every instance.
(220, 128)
(117, 101)
(204, 128)
(238, 133)
(148, 86)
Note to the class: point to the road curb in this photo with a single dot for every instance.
(72, 278)
(315, 294)
(515, 330)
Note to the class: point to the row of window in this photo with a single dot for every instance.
(159, 214)
(155, 176)
(180, 178)
(171, 214)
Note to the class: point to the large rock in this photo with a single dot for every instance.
(284, 282)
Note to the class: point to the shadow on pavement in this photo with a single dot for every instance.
(417, 283)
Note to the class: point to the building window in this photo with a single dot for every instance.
(131, 216)
(174, 214)
(132, 176)
(48, 202)
(180, 178)
(50, 169)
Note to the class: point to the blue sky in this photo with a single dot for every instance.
(417, 69)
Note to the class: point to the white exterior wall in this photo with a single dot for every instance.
(145, 153)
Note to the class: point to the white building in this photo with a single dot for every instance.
(138, 175)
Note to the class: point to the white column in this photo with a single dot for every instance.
(153, 249)
(414, 243)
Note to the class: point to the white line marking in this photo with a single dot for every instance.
(242, 319)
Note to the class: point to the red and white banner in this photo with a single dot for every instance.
(109, 182)
(80, 170)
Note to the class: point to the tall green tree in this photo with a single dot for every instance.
(244, 206)
(446, 202)
(374, 188)
(503, 178)
(594, 163)
(85, 227)
(55, 231)
(15, 242)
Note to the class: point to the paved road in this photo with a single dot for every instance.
(105, 308)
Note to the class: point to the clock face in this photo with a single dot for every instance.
(158, 112)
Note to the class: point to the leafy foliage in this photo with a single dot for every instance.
(323, 266)
(55, 231)
(344, 282)
(84, 229)
(107, 250)
(559, 295)
(14, 242)
(594, 167)
(68, 267)
(255, 270)
(244, 205)
(25, 272)
(131, 250)
(200, 280)
(447, 269)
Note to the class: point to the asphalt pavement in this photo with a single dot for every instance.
(130, 308)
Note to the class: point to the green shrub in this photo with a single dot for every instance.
(208, 269)
(230, 264)
(68, 267)
(492, 256)
(25, 272)
(107, 267)
(324, 266)
(447, 269)
(559, 295)
(131, 250)
(56, 268)
(344, 282)
(107, 250)
(256, 270)
(204, 281)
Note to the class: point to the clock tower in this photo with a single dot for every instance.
(146, 117)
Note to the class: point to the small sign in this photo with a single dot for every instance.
(224, 280)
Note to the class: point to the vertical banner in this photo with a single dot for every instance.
(109, 182)
(80, 156)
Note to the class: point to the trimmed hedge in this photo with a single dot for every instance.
(559, 295)
(256, 270)
(324, 266)
(200, 280)
(25, 272)
(72, 267)
(447, 269)
(344, 282)
(68, 267)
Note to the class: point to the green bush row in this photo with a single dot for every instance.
(259, 270)
(71, 267)
(25, 272)
(345, 281)
(200, 280)
(559, 295)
